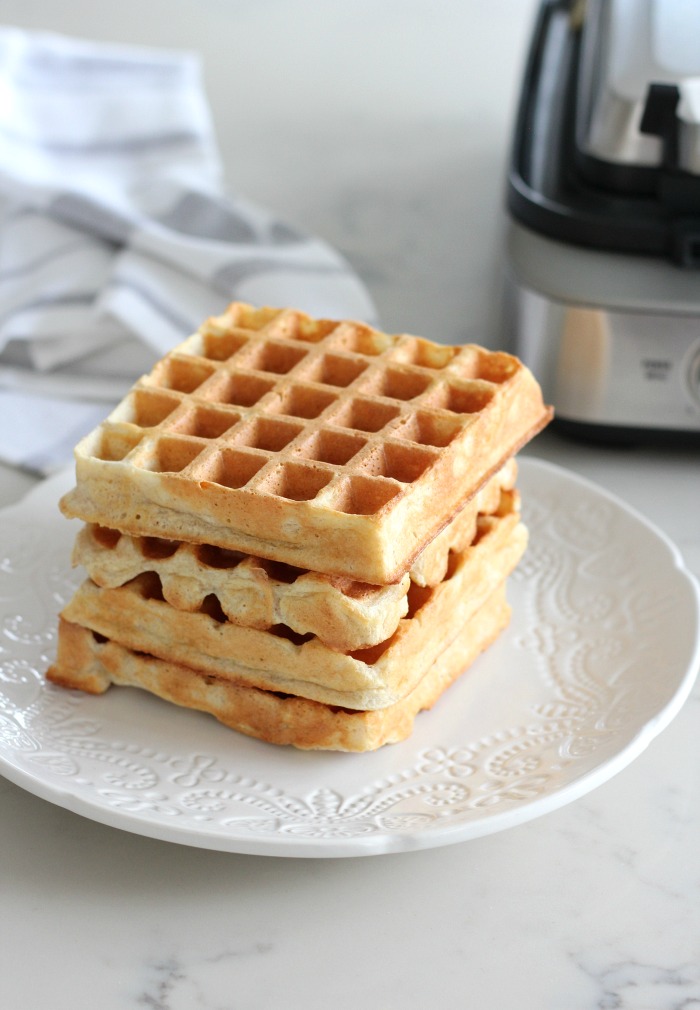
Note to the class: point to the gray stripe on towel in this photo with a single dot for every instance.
(204, 215)
(91, 217)
(45, 66)
(121, 145)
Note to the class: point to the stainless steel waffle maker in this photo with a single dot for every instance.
(603, 252)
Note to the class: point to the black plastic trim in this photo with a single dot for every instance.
(550, 192)
(625, 435)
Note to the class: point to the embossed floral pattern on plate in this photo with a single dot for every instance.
(600, 655)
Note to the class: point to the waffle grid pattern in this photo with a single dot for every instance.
(332, 413)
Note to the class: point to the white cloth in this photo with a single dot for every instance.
(116, 237)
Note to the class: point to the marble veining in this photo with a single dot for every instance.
(631, 985)
(175, 983)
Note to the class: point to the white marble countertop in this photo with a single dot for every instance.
(384, 128)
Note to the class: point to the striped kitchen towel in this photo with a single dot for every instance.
(117, 237)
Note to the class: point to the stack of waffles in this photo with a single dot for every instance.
(303, 527)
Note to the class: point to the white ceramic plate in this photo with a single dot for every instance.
(600, 655)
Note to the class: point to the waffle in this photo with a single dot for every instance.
(252, 592)
(430, 566)
(92, 665)
(256, 593)
(136, 616)
(329, 446)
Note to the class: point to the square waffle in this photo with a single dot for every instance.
(94, 663)
(136, 616)
(257, 593)
(326, 445)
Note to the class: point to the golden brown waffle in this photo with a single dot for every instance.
(326, 445)
(256, 593)
(252, 592)
(497, 497)
(136, 616)
(90, 664)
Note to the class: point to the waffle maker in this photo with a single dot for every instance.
(603, 245)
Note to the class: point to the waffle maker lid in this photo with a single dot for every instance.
(607, 140)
